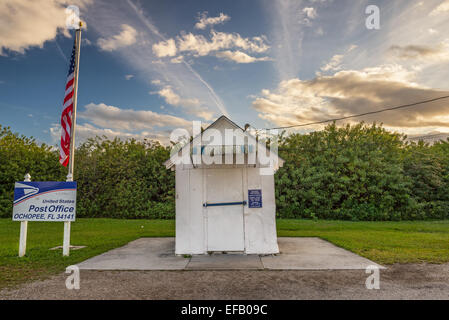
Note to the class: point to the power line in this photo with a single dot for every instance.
(361, 114)
(429, 136)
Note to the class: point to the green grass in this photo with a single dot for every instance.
(99, 235)
(383, 242)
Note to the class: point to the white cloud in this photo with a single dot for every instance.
(110, 121)
(86, 131)
(178, 59)
(126, 37)
(188, 82)
(201, 46)
(352, 47)
(175, 100)
(310, 12)
(128, 119)
(204, 20)
(165, 48)
(239, 57)
(442, 8)
(25, 24)
(334, 63)
(190, 105)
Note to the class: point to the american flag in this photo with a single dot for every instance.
(66, 117)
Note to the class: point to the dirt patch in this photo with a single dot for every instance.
(400, 281)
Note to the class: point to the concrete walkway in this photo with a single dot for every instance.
(296, 254)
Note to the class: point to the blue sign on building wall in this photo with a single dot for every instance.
(255, 198)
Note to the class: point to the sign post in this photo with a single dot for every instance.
(44, 201)
(24, 228)
(66, 240)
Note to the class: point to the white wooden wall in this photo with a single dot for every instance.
(189, 212)
(259, 223)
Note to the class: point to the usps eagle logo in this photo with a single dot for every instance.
(24, 191)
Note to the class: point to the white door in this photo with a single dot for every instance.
(225, 230)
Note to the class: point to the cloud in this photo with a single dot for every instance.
(442, 8)
(25, 24)
(128, 119)
(178, 59)
(435, 53)
(182, 76)
(334, 63)
(126, 37)
(352, 92)
(286, 19)
(86, 131)
(201, 46)
(165, 48)
(239, 57)
(129, 76)
(204, 20)
(86, 42)
(110, 121)
(192, 106)
(174, 99)
(310, 12)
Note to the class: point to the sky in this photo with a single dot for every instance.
(148, 67)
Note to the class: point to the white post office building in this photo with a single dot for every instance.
(228, 204)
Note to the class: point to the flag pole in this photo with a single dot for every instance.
(75, 99)
(66, 241)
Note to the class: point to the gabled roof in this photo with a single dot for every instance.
(222, 122)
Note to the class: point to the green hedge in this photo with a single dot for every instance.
(356, 172)
(118, 179)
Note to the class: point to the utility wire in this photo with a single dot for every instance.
(361, 114)
(429, 136)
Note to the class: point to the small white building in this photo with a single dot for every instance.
(227, 204)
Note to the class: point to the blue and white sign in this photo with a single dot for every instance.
(255, 198)
(44, 201)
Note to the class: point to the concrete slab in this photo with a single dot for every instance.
(314, 254)
(141, 254)
(295, 254)
(225, 262)
(71, 248)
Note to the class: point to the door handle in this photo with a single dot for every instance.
(221, 204)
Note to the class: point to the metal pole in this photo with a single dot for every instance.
(75, 100)
(66, 241)
(23, 229)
